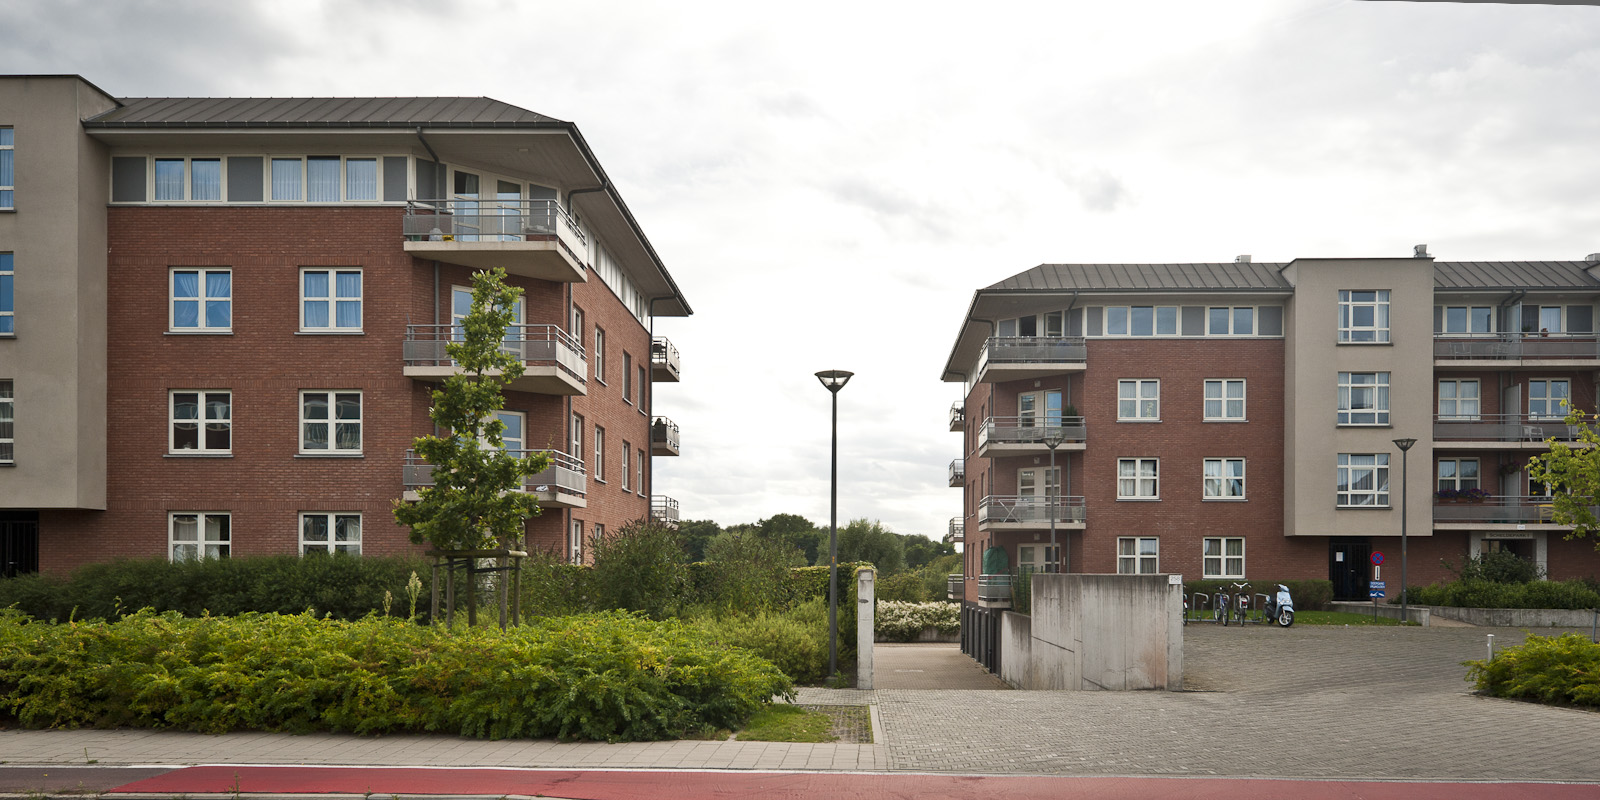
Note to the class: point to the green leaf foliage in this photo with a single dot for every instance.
(1479, 593)
(1549, 669)
(904, 622)
(1574, 474)
(796, 641)
(640, 567)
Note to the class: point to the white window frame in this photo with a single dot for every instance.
(201, 300)
(332, 544)
(520, 440)
(627, 458)
(600, 355)
(627, 377)
(1145, 397)
(201, 422)
(333, 422)
(201, 544)
(1351, 468)
(1216, 563)
(8, 421)
(1550, 404)
(1223, 402)
(1560, 319)
(8, 144)
(1224, 479)
(1378, 387)
(1465, 328)
(640, 381)
(1138, 479)
(575, 543)
(1231, 323)
(638, 472)
(1455, 480)
(577, 440)
(1042, 494)
(1164, 321)
(1457, 401)
(1352, 300)
(304, 184)
(188, 178)
(8, 292)
(599, 454)
(1138, 555)
(333, 299)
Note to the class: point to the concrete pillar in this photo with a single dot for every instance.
(864, 615)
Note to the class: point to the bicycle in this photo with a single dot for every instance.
(1241, 602)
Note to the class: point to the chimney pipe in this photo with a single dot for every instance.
(1420, 251)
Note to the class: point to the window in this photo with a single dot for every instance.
(330, 533)
(202, 300)
(1226, 321)
(1363, 480)
(627, 455)
(201, 422)
(8, 405)
(1363, 316)
(330, 300)
(1134, 321)
(287, 177)
(195, 535)
(1458, 400)
(1547, 397)
(599, 354)
(8, 303)
(640, 382)
(1138, 555)
(627, 377)
(8, 181)
(1028, 483)
(1456, 474)
(575, 543)
(638, 472)
(180, 179)
(1363, 398)
(599, 532)
(512, 427)
(1224, 479)
(577, 323)
(1224, 400)
(330, 422)
(1038, 558)
(322, 179)
(577, 438)
(1550, 319)
(1137, 479)
(1464, 319)
(1139, 400)
(600, 454)
(361, 179)
(1223, 557)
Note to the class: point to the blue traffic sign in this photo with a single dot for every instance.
(1375, 590)
(1377, 558)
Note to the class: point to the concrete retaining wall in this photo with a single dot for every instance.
(1422, 615)
(1488, 617)
(1114, 632)
(1015, 643)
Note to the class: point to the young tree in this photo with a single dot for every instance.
(476, 500)
(1574, 473)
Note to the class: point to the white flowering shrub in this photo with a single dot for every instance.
(902, 622)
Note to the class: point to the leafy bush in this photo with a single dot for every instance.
(905, 587)
(795, 641)
(641, 567)
(902, 622)
(1558, 669)
(1498, 567)
(744, 571)
(1574, 594)
(611, 676)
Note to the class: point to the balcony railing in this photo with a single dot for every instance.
(1515, 346)
(958, 416)
(663, 360)
(663, 437)
(958, 472)
(957, 529)
(564, 475)
(994, 589)
(1031, 430)
(486, 220)
(1524, 510)
(1018, 357)
(664, 510)
(1501, 428)
(1031, 512)
(534, 345)
(955, 586)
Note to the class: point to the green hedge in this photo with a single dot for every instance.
(795, 641)
(1573, 594)
(609, 676)
(1307, 595)
(902, 622)
(1558, 669)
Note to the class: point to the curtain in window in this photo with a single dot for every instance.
(361, 179)
(314, 528)
(316, 302)
(169, 179)
(217, 536)
(347, 432)
(219, 421)
(185, 299)
(286, 178)
(205, 179)
(347, 528)
(349, 303)
(315, 429)
(322, 180)
(219, 306)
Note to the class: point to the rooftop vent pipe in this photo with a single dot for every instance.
(1244, 259)
(1420, 251)
(1592, 258)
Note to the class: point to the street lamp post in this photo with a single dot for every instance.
(1053, 439)
(1405, 449)
(834, 380)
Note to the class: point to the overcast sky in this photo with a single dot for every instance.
(829, 183)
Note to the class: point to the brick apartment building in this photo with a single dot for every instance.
(1237, 420)
(221, 319)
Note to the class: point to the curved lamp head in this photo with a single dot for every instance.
(834, 379)
(1054, 438)
(1404, 444)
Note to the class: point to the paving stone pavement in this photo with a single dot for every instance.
(1306, 702)
(929, 666)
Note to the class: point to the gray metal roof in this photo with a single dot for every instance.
(1201, 277)
(318, 112)
(1515, 275)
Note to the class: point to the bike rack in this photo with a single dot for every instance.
(1199, 602)
(1261, 609)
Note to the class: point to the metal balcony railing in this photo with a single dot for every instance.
(994, 588)
(532, 344)
(1033, 350)
(1029, 510)
(955, 586)
(958, 472)
(664, 431)
(1501, 428)
(486, 220)
(1514, 346)
(565, 473)
(1496, 510)
(957, 529)
(958, 416)
(664, 510)
(663, 356)
(1033, 429)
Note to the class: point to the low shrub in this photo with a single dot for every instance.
(1498, 567)
(904, 587)
(611, 676)
(902, 622)
(640, 567)
(795, 641)
(1574, 594)
(1550, 669)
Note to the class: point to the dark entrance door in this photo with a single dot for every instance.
(1348, 567)
(19, 544)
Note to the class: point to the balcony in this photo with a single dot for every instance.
(955, 587)
(994, 591)
(553, 361)
(957, 530)
(664, 510)
(563, 484)
(1015, 358)
(663, 361)
(958, 472)
(663, 437)
(1027, 513)
(530, 238)
(1511, 350)
(1524, 513)
(1499, 432)
(1015, 436)
(958, 416)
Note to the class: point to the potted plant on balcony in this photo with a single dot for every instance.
(1472, 495)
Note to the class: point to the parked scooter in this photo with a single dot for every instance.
(1280, 609)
